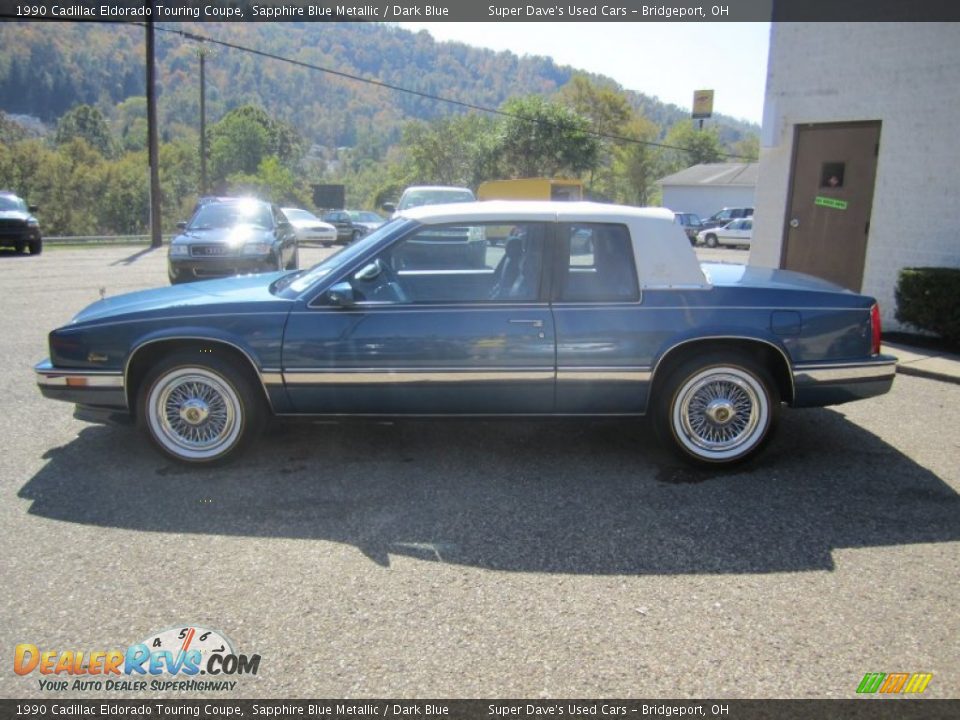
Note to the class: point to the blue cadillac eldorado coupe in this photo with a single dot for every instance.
(584, 309)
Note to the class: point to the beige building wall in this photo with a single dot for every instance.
(907, 75)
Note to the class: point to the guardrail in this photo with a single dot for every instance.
(100, 240)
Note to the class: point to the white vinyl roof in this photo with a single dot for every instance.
(661, 249)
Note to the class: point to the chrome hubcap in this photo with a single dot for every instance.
(194, 411)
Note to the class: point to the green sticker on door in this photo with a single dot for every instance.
(830, 202)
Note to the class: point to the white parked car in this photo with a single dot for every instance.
(309, 228)
(734, 233)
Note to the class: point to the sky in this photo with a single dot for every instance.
(665, 60)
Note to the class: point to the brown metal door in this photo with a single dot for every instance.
(828, 218)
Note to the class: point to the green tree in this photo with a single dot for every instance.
(272, 181)
(698, 146)
(244, 137)
(748, 148)
(458, 150)
(542, 138)
(608, 111)
(638, 166)
(87, 123)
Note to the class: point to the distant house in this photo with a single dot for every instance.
(858, 163)
(705, 189)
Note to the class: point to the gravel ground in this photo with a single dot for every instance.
(480, 558)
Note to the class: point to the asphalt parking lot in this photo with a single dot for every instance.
(479, 558)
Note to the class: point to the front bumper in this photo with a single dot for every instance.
(819, 384)
(93, 388)
(201, 268)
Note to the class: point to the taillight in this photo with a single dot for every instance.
(875, 329)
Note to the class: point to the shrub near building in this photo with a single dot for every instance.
(929, 299)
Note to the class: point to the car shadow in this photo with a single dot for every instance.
(131, 259)
(591, 497)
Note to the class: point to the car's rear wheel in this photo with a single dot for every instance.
(199, 408)
(717, 409)
(711, 241)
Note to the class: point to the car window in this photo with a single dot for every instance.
(748, 225)
(457, 264)
(598, 265)
(12, 204)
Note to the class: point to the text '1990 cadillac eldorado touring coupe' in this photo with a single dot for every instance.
(583, 310)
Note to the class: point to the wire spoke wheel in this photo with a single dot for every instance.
(194, 413)
(720, 414)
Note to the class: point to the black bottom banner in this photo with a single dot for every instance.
(858, 709)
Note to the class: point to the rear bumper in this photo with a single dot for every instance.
(92, 388)
(822, 384)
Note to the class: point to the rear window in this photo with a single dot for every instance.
(600, 266)
(417, 198)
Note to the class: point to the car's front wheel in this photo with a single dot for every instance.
(200, 408)
(718, 409)
(711, 241)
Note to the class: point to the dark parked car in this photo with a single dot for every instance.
(19, 229)
(348, 229)
(691, 224)
(722, 217)
(231, 236)
(587, 310)
(366, 219)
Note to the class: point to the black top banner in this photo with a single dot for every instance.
(481, 10)
(380, 709)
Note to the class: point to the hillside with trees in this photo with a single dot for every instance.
(276, 128)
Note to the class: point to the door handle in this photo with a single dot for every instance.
(534, 323)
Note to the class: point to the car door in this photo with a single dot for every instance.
(599, 324)
(730, 233)
(422, 335)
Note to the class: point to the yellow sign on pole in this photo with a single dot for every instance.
(702, 104)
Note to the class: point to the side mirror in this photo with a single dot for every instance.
(341, 295)
(389, 207)
(369, 272)
(33, 208)
(182, 225)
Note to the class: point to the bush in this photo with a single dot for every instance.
(929, 299)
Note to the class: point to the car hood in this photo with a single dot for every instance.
(244, 293)
(312, 224)
(729, 274)
(237, 235)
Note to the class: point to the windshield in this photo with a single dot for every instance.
(12, 203)
(295, 214)
(295, 283)
(438, 196)
(225, 215)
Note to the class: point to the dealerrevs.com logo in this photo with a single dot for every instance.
(172, 659)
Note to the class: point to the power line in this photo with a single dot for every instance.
(418, 93)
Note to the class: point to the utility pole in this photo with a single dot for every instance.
(156, 239)
(203, 52)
